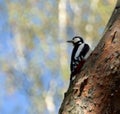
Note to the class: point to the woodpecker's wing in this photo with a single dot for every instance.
(76, 58)
(88, 54)
(85, 52)
(79, 50)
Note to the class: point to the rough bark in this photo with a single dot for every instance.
(96, 89)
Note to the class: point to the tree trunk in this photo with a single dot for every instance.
(96, 89)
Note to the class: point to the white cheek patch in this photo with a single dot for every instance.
(76, 40)
(80, 43)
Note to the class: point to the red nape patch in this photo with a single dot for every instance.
(77, 70)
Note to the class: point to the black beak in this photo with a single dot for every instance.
(70, 41)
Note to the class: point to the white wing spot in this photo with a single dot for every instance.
(79, 50)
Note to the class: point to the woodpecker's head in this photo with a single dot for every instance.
(76, 40)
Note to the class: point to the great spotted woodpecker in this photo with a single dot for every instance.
(80, 53)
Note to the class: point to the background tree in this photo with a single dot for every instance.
(96, 89)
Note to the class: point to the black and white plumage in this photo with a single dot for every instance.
(80, 53)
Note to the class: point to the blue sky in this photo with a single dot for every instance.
(16, 101)
(10, 102)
